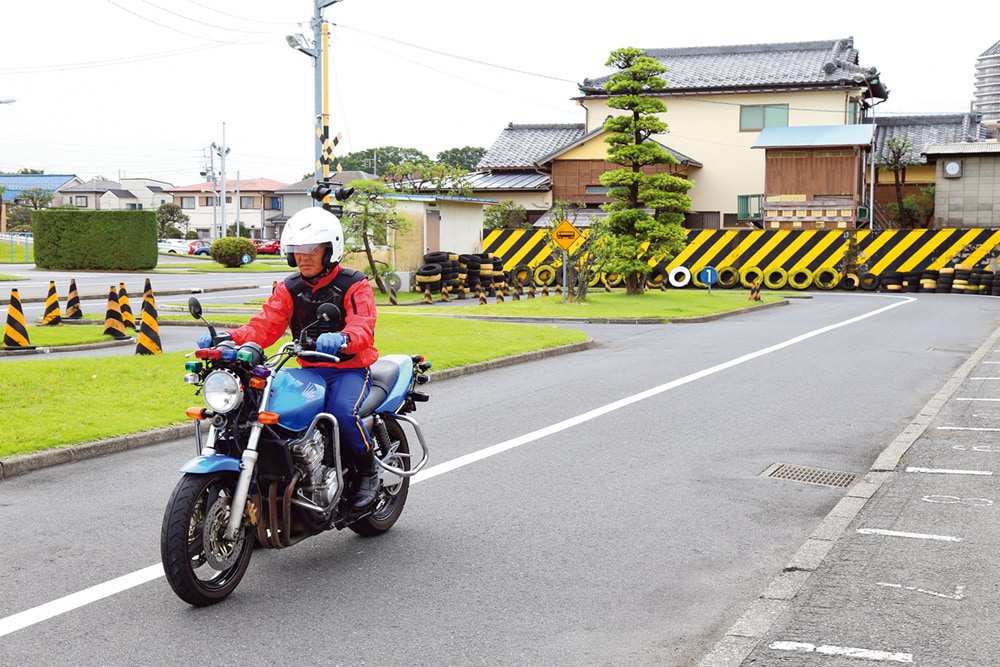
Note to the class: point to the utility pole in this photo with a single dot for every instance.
(317, 50)
(222, 151)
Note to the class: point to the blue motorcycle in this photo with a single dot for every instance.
(270, 472)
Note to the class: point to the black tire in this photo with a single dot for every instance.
(392, 496)
(199, 508)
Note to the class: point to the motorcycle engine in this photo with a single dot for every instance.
(321, 480)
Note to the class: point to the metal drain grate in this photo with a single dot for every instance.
(807, 475)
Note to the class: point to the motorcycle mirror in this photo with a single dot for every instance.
(329, 313)
(194, 307)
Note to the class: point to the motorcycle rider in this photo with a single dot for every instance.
(314, 242)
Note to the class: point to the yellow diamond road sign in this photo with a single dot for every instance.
(565, 235)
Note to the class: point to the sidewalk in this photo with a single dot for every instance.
(904, 569)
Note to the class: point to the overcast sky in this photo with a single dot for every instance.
(133, 88)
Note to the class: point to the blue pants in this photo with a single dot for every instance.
(346, 390)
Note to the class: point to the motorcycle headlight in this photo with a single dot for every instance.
(222, 391)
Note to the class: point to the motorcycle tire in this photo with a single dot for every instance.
(392, 494)
(200, 567)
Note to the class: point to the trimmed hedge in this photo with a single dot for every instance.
(229, 250)
(68, 240)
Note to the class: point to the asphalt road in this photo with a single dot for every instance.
(600, 508)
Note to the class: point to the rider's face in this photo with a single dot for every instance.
(310, 264)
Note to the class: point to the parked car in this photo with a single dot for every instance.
(174, 246)
(199, 247)
(268, 246)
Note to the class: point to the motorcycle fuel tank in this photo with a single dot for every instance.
(298, 395)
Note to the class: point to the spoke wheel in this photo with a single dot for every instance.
(200, 564)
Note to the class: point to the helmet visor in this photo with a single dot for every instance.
(305, 248)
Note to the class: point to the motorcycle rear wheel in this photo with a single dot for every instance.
(201, 566)
(392, 494)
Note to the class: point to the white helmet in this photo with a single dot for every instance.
(312, 227)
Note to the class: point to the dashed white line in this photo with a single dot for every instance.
(912, 536)
(947, 471)
(847, 651)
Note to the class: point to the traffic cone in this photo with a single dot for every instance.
(73, 309)
(128, 319)
(113, 325)
(52, 316)
(393, 299)
(148, 341)
(531, 290)
(545, 290)
(755, 291)
(461, 291)
(427, 295)
(15, 334)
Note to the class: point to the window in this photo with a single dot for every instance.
(246, 202)
(80, 201)
(597, 190)
(755, 117)
(133, 206)
(187, 202)
(275, 203)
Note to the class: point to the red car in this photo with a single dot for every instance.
(199, 248)
(268, 246)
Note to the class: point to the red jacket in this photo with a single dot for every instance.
(272, 322)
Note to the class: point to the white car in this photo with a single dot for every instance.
(175, 246)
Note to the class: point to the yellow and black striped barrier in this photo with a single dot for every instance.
(793, 255)
(52, 316)
(148, 340)
(73, 309)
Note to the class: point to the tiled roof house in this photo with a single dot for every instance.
(719, 98)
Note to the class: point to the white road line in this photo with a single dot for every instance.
(959, 593)
(947, 471)
(914, 536)
(79, 599)
(978, 399)
(847, 651)
(121, 584)
(967, 428)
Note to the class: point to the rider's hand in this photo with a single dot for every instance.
(330, 343)
(204, 341)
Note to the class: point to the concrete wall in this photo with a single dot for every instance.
(972, 200)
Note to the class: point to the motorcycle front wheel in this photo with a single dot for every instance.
(200, 564)
(392, 494)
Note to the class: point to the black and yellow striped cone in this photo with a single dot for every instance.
(461, 291)
(755, 291)
(128, 319)
(531, 290)
(545, 290)
(15, 334)
(393, 299)
(444, 294)
(52, 316)
(73, 309)
(427, 295)
(113, 325)
(148, 341)
(499, 298)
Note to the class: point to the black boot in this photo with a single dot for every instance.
(368, 482)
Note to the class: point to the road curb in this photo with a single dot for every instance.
(19, 465)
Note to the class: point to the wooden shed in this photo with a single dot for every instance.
(814, 176)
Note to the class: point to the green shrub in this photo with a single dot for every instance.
(68, 240)
(229, 251)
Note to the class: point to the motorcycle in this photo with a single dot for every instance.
(270, 472)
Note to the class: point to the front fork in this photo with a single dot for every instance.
(247, 464)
